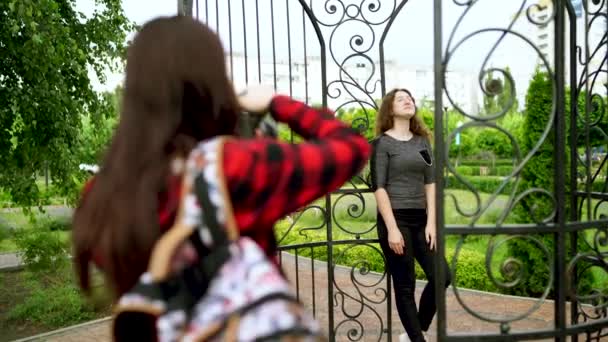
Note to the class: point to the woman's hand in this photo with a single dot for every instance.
(431, 235)
(256, 99)
(395, 241)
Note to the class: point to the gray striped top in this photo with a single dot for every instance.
(402, 168)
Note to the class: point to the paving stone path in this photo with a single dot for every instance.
(371, 320)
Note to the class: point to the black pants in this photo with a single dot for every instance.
(411, 223)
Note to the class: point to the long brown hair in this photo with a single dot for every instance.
(176, 93)
(385, 121)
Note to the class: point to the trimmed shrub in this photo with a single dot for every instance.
(487, 184)
(504, 171)
(41, 248)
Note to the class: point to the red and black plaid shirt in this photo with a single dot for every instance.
(268, 179)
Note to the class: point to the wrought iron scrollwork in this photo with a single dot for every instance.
(353, 31)
(590, 111)
(359, 300)
(494, 81)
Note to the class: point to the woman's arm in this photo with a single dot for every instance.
(268, 179)
(429, 190)
(431, 220)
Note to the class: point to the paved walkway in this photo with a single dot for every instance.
(9, 261)
(367, 307)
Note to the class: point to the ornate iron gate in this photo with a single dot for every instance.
(332, 53)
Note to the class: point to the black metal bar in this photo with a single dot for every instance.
(245, 44)
(322, 243)
(230, 41)
(323, 49)
(197, 10)
(330, 269)
(257, 24)
(560, 175)
(207, 12)
(297, 276)
(274, 51)
(313, 285)
(593, 195)
(522, 228)
(439, 158)
(217, 17)
(573, 139)
(588, 160)
(305, 57)
(289, 52)
(381, 45)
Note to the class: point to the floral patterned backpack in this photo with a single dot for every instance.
(233, 293)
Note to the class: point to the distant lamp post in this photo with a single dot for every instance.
(458, 124)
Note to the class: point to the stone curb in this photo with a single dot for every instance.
(61, 331)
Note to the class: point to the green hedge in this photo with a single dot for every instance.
(474, 170)
(467, 170)
(470, 268)
(487, 184)
(485, 162)
(504, 171)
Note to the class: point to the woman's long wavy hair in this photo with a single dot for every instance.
(385, 120)
(176, 94)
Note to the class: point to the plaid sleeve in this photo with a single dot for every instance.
(268, 179)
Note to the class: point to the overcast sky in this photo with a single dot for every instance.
(409, 41)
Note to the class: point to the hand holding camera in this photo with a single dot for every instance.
(256, 99)
(255, 102)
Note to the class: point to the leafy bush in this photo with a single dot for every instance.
(539, 173)
(5, 230)
(465, 170)
(486, 162)
(504, 170)
(59, 224)
(5, 198)
(470, 272)
(485, 184)
(42, 248)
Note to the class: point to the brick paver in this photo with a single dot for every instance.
(368, 321)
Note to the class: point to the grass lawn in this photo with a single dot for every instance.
(13, 220)
(34, 303)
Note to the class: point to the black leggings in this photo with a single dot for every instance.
(411, 223)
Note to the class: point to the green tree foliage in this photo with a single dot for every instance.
(47, 47)
(539, 173)
(361, 119)
(98, 127)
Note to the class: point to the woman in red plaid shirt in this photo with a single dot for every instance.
(176, 95)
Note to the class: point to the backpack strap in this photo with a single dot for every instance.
(205, 218)
(205, 207)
